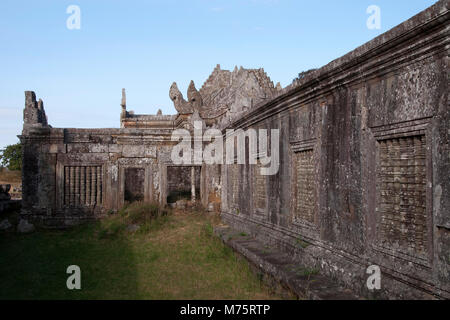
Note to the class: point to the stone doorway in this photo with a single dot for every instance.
(183, 183)
(134, 184)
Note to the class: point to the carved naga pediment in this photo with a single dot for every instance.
(195, 98)
(194, 103)
(181, 105)
(225, 93)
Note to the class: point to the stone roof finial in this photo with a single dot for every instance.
(181, 105)
(34, 113)
(124, 99)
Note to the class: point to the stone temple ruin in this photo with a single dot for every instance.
(364, 160)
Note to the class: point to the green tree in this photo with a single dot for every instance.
(11, 157)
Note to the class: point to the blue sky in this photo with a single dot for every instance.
(144, 46)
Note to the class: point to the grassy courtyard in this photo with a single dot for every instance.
(170, 256)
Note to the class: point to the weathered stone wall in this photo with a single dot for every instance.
(364, 160)
(211, 187)
(364, 173)
(179, 178)
(73, 175)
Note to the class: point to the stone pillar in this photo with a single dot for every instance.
(77, 186)
(193, 184)
(66, 186)
(99, 186)
(88, 186)
(124, 104)
(93, 185)
(72, 186)
(83, 186)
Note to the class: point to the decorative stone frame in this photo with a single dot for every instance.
(164, 189)
(420, 127)
(232, 198)
(138, 163)
(60, 181)
(297, 147)
(259, 213)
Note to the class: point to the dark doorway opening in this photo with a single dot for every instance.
(179, 183)
(134, 184)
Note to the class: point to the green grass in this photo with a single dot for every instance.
(171, 256)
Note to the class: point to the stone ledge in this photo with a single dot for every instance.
(304, 282)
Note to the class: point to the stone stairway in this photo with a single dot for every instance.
(280, 269)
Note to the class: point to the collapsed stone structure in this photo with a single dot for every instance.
(364, 160)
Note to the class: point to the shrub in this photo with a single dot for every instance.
(11, 157)
(142, 213)
(149, 216)
(111, 228)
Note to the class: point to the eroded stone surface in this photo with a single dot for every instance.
(364, 161)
